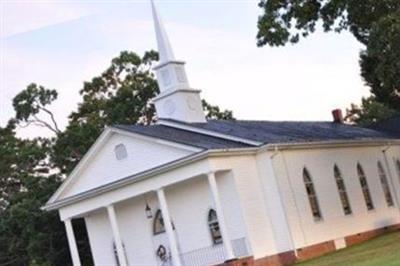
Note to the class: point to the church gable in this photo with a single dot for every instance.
(119, 155)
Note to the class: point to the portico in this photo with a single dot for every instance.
(163, 196)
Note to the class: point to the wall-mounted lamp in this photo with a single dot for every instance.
(149, 213)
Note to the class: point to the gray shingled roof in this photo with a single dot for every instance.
(266, 132)
(289, 131)
(391, 126)
(183, 137)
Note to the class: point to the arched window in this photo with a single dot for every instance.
(365, 188)
(158, 223)
(385, 185)
(342, 190)
(312, 195)
(398, 167)
(214, 227)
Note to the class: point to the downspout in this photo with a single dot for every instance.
(390, 175)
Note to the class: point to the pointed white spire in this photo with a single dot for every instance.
(176, 100)
(164, 47)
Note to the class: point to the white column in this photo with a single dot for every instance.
(117, 237)
(168, 227)
(226, 240)
(73, 248)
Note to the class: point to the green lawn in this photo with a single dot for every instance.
(382, 251)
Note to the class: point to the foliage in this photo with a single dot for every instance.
(380, 62)
(287, 21)
(369, 112)
(376, 24)
(120, 95)
(32, 101)
(19, 158)
(28, 236)
(214, 112)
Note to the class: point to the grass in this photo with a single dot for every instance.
(381, 251)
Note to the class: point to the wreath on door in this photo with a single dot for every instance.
(162, 253)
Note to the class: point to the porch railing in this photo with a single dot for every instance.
(214, 254)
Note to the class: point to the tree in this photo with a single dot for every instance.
(27, 235)
(19, 158)
(32, 102)
(376, 24)
(214, 112)
(380, 62)
(369, 112)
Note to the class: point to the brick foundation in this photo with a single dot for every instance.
(282, 259)
(309, 252)
(316, 250)
(365, 236)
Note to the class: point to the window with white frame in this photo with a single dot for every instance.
(342, 190)
(312, 195)
(158, 223)
(365, 188)
(213, 225)
(385, 185)
(398, 168)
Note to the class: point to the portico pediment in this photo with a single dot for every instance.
(116, 155)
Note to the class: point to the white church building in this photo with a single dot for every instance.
(190, 191)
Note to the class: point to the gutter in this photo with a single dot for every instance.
(330, 144)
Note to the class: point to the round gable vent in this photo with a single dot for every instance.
(120, 152)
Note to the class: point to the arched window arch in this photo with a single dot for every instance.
(365, 188)
(312, 195)
(213, 225)
(385, 185)
(342, 190)
(158, 223)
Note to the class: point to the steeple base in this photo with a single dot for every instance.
(181, 104)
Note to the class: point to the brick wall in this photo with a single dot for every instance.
(315, 250)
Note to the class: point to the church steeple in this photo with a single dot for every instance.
(164, 47)
(177, 100)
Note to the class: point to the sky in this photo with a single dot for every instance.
(61, 44)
